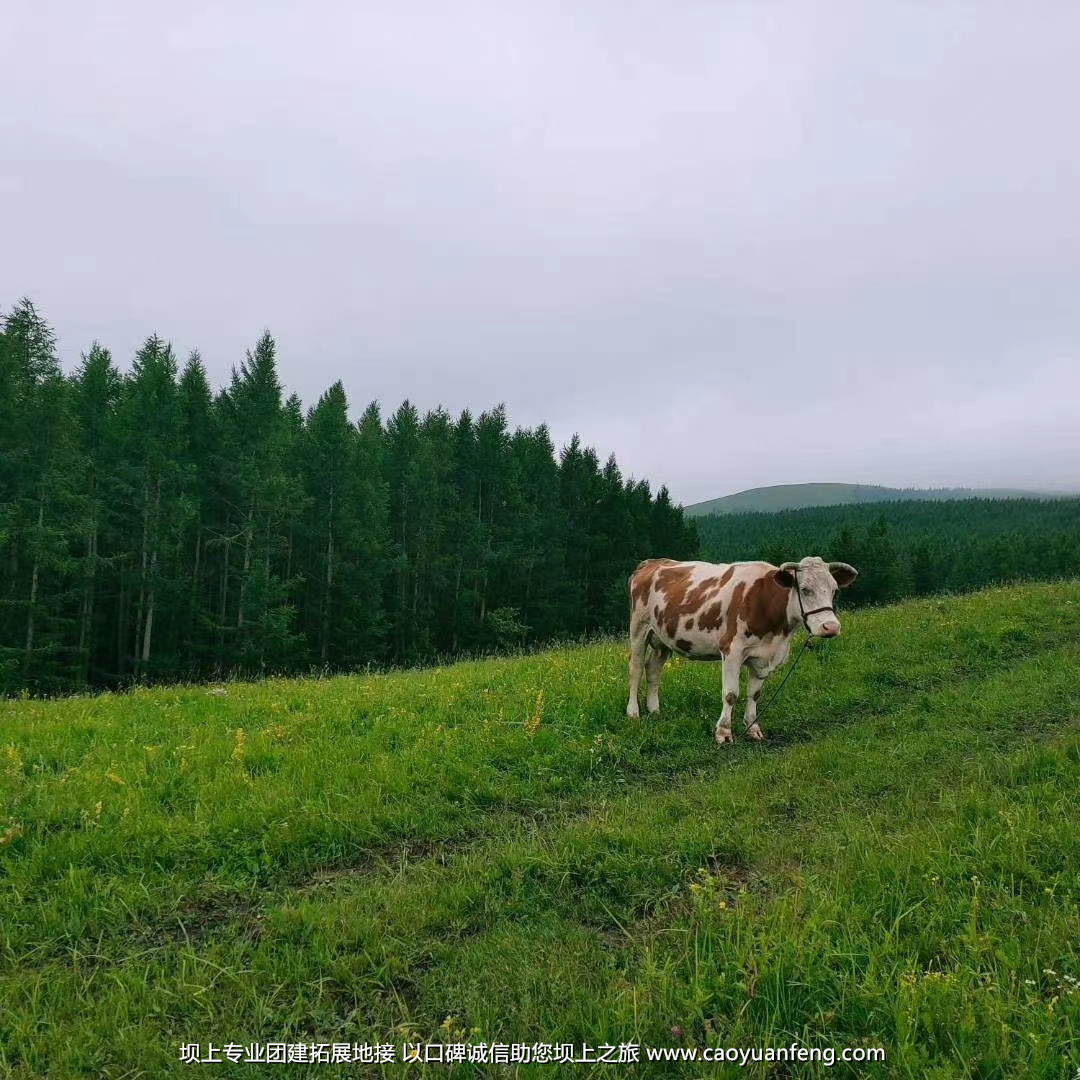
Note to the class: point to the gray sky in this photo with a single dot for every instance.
(736, 244)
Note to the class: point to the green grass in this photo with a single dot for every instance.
(492, 851)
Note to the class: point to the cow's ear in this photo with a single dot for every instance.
(785, 578)
(843, 573)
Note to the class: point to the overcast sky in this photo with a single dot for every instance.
(736, 244)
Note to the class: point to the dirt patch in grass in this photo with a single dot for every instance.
(202, 917)
(401, 855)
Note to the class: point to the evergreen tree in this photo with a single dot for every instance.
(577, 483)
(346, 511)
(151, 482)
(97, 388)
(369, 492)
(406, 490)
(541, 545)
(38, 462)
(466, 540)
(261, 496)
(201, 458)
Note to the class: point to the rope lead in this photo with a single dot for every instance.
(787, 675)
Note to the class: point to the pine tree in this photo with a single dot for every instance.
(541, 557)
(38, 456)
(493, 513)
(97, 388)
(369, 493)
(577, 483)
(201, 457)
(923, 575)
(405, 483)
(152, 480)
(614, 553)
(261, 495)
(466, 542)
(346, 532)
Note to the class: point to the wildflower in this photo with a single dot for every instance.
(532, 724)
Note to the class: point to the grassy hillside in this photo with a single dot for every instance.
(796, 496)
(493, 852)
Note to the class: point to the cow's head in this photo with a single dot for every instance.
(817, 582)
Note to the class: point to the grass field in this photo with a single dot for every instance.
(492, 852)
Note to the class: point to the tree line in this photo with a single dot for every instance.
(912, 548)
(152, 529)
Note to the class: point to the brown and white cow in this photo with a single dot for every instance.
(737, 613)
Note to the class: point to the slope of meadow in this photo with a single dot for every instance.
(492, 852)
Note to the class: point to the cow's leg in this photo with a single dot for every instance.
(653, 669)
(754, 682)
(639, 638)
(732, 667)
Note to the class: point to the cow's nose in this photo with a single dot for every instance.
(830, 629)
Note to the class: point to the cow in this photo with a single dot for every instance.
(737, 613)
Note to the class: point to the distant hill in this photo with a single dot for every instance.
(797, 496)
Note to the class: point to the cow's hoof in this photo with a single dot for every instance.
(632, 712)
(724, 737)
(755, 733)
(654, 709)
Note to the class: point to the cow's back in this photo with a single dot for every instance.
(641, 580)
(692, 607)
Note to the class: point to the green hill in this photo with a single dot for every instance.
(492, 853)
(798, 496)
